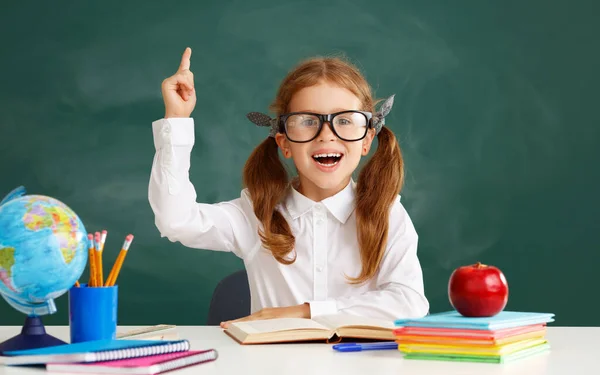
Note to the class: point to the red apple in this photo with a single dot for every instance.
(478, 290)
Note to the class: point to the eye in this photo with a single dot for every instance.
(308, 122)
(351, 120)
(302, 121)
(343, 121)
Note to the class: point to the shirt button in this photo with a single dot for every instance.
(320, 222)
(319, 268)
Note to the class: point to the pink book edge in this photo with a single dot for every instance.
(146, 361)
(468, 333)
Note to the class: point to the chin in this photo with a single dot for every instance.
(329, 181)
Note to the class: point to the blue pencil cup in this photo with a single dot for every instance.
(93, 313)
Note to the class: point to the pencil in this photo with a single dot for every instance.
(102, 242)
(77, 283)
(99, 273)
(103, 239)
(114, 272)
(92, 260)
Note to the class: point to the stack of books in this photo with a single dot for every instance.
(449, 336)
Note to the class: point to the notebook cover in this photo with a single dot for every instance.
(92, 351)
(84, 347)
(453, 319)
(475, 358)
(155, 364)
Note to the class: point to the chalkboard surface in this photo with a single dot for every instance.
(496, 112)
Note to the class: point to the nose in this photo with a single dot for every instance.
(326, 133)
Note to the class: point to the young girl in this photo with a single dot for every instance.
(312, 245)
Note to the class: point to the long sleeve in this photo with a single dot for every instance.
(399, 283)
(224, 226)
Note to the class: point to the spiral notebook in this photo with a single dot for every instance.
(93, 351)
(150, 365)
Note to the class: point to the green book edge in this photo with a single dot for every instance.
(476, 358)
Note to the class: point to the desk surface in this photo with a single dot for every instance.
(574, 351)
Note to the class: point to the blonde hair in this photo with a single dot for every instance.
(378, 185)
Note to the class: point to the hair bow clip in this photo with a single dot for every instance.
(384, 110)
(262, 119)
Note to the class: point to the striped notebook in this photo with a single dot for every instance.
(155, 364)
(93, 351)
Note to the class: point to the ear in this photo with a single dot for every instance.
(283, 144)
(368, 141)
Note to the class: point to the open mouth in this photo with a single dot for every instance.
(329, 159)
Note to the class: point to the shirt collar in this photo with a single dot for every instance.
(341, 205)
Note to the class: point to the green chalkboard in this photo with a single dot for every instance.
(496, 111)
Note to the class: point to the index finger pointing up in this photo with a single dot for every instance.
(185, 59)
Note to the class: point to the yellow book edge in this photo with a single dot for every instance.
(452, 349)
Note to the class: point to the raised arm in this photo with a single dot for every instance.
(225, 226)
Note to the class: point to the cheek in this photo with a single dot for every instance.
(299, 153)
(354, 153)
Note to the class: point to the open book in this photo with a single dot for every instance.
(328, 328)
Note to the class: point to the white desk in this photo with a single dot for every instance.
(574, 351)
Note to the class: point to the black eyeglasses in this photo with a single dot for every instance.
(303, 127)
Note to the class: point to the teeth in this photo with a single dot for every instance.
(330, 155)
(327, 165)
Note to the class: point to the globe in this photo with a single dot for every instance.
(43, 251)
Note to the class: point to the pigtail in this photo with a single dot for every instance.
(378, 186)
(267, 181)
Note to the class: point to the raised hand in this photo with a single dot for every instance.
(178, 90)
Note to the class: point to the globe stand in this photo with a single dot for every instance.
(33, 335)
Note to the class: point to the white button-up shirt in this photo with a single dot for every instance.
(326, 245)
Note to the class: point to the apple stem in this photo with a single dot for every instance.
(480, 265)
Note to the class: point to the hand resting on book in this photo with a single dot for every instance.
(298, 311)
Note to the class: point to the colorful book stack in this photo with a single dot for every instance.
(449, 336)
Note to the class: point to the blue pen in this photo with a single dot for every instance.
(357, 347)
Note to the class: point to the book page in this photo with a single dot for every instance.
(347, 320)
(275, 325)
